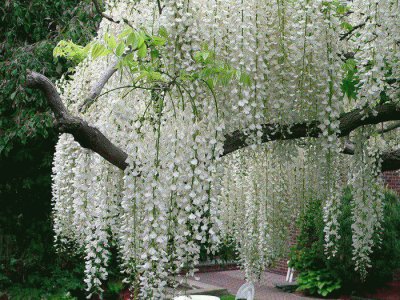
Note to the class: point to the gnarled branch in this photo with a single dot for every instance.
(87, 136)
(391, 160)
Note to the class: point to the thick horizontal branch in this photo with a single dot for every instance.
(391, 160)
(348, 122)
(91, 138)
(87, 136)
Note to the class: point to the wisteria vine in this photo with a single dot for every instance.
(183, 80)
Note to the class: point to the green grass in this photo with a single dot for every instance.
(228, 297)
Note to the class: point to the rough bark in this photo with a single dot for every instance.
(91, 138)
(348, 122)
(87, 136)
(391, 160)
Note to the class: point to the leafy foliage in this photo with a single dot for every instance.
(317, 271)
(139, 53)
(71, 51)
(33, 271)
(321, 282)
(350, 80)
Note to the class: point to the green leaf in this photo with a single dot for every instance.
(12, 96)
(140, 40)
(126, 32)
(128, 60)
(120, 49)
(142, 51)
(99, 50)
(158, 41)
(205, 55)
(197, 56)
(132, 40)
(163, 32)
(111, 42)
(210, 83)
(245, 79)
(71, 51)
(324, 293)
(346, 26)
(154, 76)
(154, 53)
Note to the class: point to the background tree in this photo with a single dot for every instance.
(29, 32)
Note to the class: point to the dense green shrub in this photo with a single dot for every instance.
(308, 256)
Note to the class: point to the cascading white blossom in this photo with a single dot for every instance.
(178, 191)
(367, 209)
(377, 54)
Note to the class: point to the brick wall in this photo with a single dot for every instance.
(391, 180)
(281, 266)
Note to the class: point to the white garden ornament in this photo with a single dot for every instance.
(283, 70)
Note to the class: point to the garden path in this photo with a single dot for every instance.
(265, 290)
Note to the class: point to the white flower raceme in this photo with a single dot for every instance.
(367, 210)
(178, 191)
(378, 49)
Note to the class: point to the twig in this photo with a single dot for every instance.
(350, 32)
(100, 11)
(160, 8)
(104, 15)
(96, 89)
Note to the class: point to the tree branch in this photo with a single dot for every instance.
(391, 160)
(91, 138)
(100, 11)
(351, 31)
(104, 15)
(97, 88)
(87, 136)
(389, 128)
(348, 122)
(160, 8)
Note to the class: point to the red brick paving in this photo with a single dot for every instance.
(265, 290)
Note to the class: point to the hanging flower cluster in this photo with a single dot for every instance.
(223, 66)
(378, 53)
(367, 209)
(262, 196)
